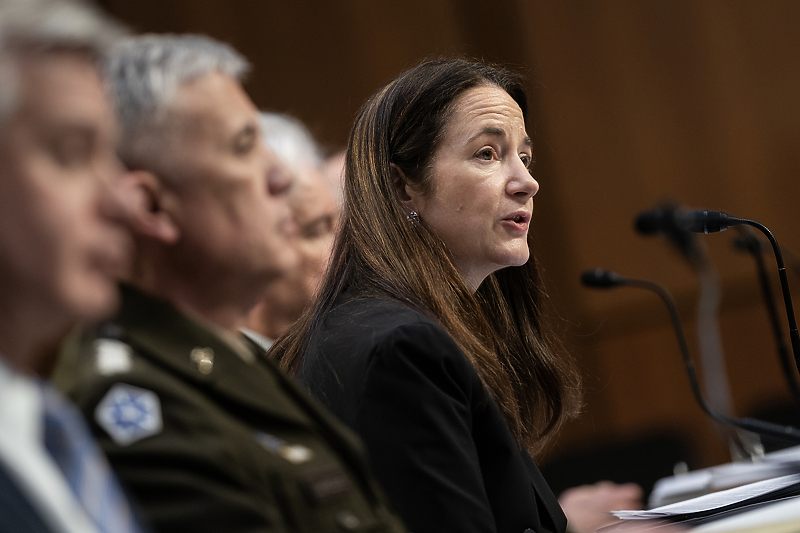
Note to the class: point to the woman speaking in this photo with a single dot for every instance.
(428, 336)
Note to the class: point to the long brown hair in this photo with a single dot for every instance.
(379, 252)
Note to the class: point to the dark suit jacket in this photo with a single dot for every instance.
(16, 512)
(437, 442)
(223, 459)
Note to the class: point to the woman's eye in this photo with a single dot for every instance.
(526, 160)
(486, 154)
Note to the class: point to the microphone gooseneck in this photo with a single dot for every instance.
(672, 222)
(747, 242)
(596, 279)
(713, 221)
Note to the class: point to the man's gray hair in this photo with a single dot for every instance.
(48, 25)
(146, 71)
(291, 141)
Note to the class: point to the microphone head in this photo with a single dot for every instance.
(668, 218)
(600, 278)
(671, 221)
(706, 221)
(650, 222)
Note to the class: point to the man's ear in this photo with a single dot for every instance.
(404, 192)
(147, 215)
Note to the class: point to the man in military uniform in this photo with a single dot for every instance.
(199, 425)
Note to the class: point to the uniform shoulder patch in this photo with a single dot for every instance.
(129, 414)
(112, 356)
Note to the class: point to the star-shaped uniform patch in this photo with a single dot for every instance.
(129, 414)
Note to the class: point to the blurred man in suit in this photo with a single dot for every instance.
(200, 426)
(62, 246)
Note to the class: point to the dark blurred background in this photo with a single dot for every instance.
(632, 103)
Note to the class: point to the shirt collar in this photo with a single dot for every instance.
(20, 405)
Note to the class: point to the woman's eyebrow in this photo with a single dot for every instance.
(494, 131)
(489, 130)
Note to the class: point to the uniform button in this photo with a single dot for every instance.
(296, 454)
(348, 520)
(203, 358)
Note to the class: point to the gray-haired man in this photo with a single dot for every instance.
(315, 211)
(198, 423)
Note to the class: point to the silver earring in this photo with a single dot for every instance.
(413, 218)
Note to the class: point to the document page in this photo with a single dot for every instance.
(718, 500)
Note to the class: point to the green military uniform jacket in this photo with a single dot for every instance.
(206, 440)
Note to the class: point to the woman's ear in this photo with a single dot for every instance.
(147, 216)
(404, 192)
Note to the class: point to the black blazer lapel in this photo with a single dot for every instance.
(544, 494)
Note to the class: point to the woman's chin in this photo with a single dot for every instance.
(515, 258)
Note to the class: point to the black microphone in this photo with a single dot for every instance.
(669, 218)
(600, 278)
(670, 221)
(713, 221)
(708, 221)
(749, 243)
(651, 222)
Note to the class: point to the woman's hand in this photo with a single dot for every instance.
(587, 506)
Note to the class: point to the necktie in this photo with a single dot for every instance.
(69, 442)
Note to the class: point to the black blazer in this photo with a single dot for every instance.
(438, 443)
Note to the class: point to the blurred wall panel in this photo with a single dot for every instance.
(316, 60)
(631, 103)
(644, 101)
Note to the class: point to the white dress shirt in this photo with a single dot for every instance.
(25, 458)
(264, 342)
